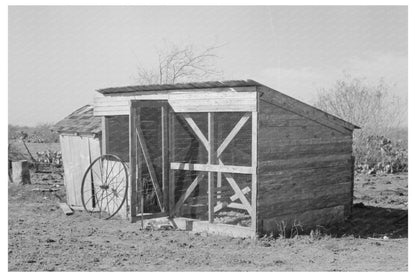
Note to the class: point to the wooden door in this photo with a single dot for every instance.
(148, 157)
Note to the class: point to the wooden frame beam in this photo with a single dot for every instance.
(212, 167)
(188, 192)
(171, 197)
(254, 163)
(211, 159)
(219, 174)
(223, 205)
(132, 155)
(139, 162)
(220, 168)
(244, 191)
(152, 172)
(165, 156)
(233, 133)
(196, 130)
(239, 193)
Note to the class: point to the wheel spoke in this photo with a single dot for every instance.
(122, 187)
(88, 200)
(104, 191)
(119, 183)
(106, 173)
(121, 190)
(115, 176)
(111, 170)
(111, 200)
(101, 168)
(93, 172)
(106, 197)
(100, 200)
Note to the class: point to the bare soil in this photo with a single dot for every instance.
(42, 238)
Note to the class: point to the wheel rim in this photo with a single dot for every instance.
(104, 186)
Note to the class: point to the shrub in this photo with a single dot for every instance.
(380, 154)
(40, 133)
(378, 113)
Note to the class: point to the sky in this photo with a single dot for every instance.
(59, 56)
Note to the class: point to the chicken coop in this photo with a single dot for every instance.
(231, 157)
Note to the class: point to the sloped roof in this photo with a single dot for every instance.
(196, 85)
(81, 121)
(278, 98)
(286, 102)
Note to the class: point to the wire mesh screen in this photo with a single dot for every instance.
(230, 208)
(193, 185)
(238, 152)
(151, 126)
(187, 147)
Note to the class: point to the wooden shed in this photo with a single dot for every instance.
(233, 157)
(80, 140)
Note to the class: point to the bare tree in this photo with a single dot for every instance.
(180, 64)
(372, 107)
(379, 114)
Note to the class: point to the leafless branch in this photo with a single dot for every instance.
(180, 64)
(372, 107)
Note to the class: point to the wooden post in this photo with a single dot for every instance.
(219, 174)
(352, 185)
(165, 158)
(104, 135)
(20, 172)
(171, 128)
(10, 171)
(133, 151)
(211, 159)
(254, 166)
(139, 161)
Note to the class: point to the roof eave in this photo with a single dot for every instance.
(179, 86)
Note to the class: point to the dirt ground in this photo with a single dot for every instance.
(42, 238)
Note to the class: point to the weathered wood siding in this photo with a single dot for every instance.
(196, 100)
(117, 135)
(229, 100)
(77, 154)
(304, 169)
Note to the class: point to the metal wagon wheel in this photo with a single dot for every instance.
(104, 186)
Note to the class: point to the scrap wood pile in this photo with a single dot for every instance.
(50, 157)
(379, 154)
(45, 161)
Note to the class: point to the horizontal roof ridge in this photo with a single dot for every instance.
(190, 85)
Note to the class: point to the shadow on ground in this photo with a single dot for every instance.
(370, 221)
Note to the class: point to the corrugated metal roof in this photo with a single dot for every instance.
(198, 85)
(81, 121)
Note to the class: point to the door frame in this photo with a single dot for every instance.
(139, 157)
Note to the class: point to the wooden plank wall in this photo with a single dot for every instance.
(77, 154)
(213, 101)
(195, 100)
(117, 135)
(304, 169)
